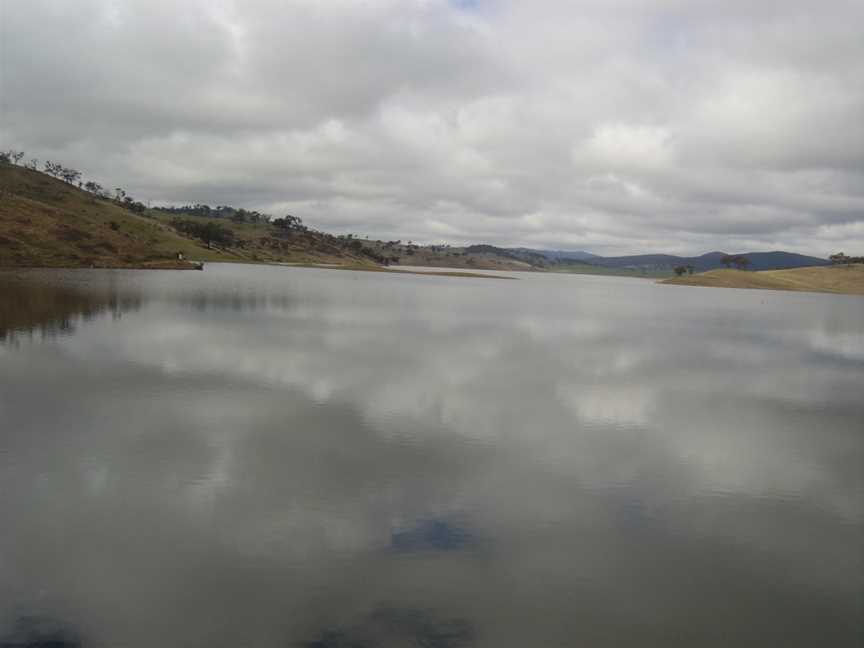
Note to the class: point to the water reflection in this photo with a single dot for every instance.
(34, 632)
(30, 306)
(394, 460)
(398, 626)
(431, 535)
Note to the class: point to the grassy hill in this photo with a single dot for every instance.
(48, 223)
(45, 222)
(847, 279)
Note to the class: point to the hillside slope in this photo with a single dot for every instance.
(49, 223)
(45, 222)
(848, 279)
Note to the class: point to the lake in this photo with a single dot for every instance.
(263, 456)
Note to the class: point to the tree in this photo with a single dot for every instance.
(209, 233)
(289, 222)
(680, 270)
(739, 261)
(295, 221)
(70, 175)
(842, 259)
(94, 188)
(11, 157)
(690, 269)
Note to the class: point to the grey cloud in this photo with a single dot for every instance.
(615, 127)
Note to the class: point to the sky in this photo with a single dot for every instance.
(612, 126)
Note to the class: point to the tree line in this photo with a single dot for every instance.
(74, 177)
(234, 214)
(740, 261)
(842, 259)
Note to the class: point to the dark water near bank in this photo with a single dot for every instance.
(292, 457)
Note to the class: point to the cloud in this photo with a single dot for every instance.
(617, 127)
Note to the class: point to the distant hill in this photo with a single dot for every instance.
(711, 261)
(553, 255)
(474, 257)
(648, 262)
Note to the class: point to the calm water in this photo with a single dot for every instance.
(322, 459)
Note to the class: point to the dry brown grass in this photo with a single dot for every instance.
(848, 280)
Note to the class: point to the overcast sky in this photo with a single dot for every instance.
(610, 126)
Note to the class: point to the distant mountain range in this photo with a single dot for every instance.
(554, 255)
(711, 261)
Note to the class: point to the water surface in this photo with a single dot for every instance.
(260, 456)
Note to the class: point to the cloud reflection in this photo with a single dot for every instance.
(640, 466)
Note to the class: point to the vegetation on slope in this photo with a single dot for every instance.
(846, 279)
(47, 222)
(61, 222)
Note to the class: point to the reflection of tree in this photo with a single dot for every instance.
(431, 535)
(236, 301)
(50, 310)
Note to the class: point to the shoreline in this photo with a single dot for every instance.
(183, 265)
(390, 270)
(193, 265)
